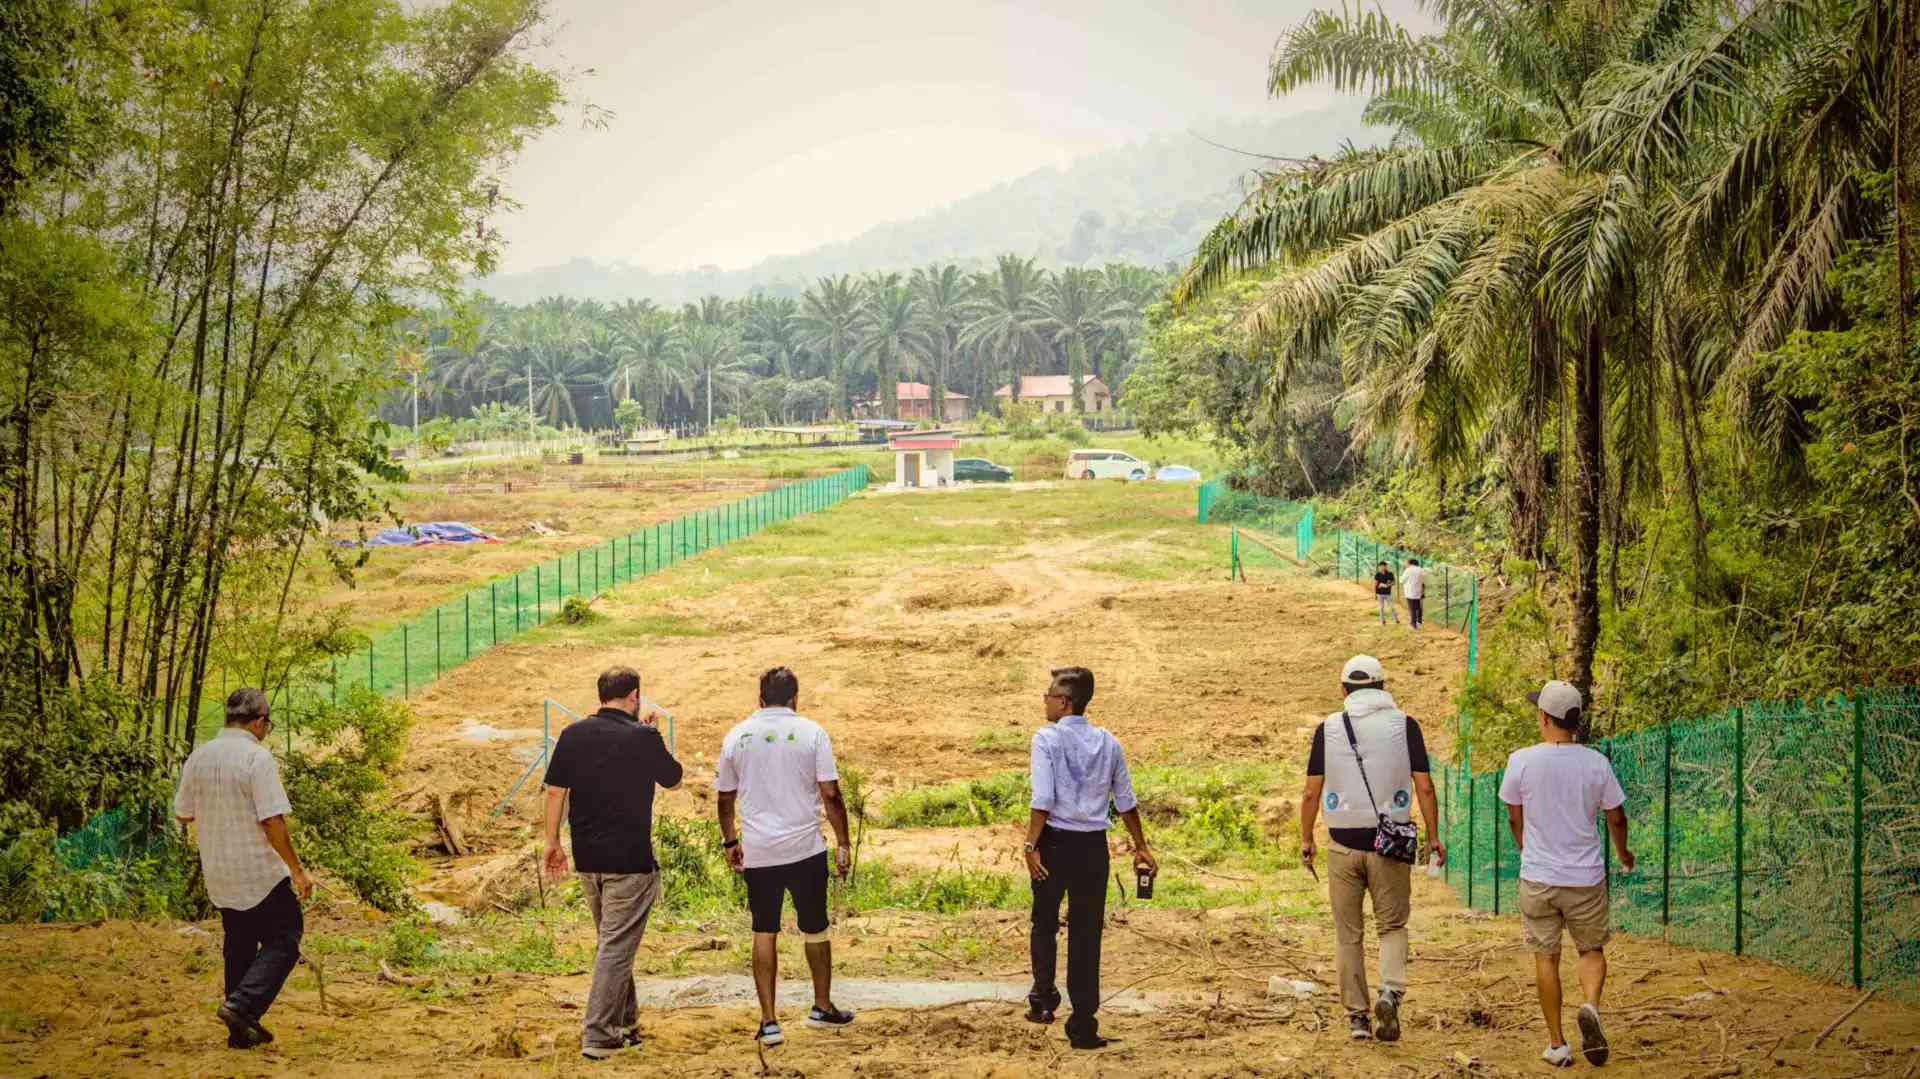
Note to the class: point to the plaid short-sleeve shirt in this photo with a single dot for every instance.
(230, 785)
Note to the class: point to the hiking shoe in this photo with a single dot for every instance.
(241, 1029)
(1593, 1040)
(1089, 1041)
(769, 1035)
(1386, 1016)
(1041, 1006)
(829, 1017)
(1560, 1056)
(1359, 1028)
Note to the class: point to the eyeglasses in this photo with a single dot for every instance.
(1056, 696)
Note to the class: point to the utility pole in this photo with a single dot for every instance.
(530, 423)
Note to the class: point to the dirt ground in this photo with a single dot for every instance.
(926, 662)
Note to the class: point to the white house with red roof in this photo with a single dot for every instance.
(1054, 393)
(923, 458)
(916, 403)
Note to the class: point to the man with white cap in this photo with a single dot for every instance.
(1553, 790)
(1367, 764)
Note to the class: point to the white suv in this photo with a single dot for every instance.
(1104, 465)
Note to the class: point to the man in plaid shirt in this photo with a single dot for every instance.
(230, 791)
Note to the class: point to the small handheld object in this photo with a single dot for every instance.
(1306, 863)
(1143, 882)
(1433, 863)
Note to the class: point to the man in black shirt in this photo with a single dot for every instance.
(1383, 593)
(602, 775)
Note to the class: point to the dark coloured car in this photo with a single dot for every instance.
(979, 470)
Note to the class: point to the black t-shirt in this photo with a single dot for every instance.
(610, 764)
(1362, 838)
(1383, 583)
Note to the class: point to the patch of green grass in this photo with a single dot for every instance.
(1002, 739)
(14, 1021)
(993, 799)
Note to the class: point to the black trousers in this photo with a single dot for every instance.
(261, 946)
(1416, 612)
(1076, 871)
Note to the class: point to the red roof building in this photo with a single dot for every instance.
(916, 403)
(1054, 393)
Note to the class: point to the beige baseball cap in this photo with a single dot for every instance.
(1557, 698)
(1362, 671)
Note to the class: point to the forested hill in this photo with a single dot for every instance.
(1147, 204)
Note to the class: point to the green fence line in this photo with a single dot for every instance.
(420, 650)
(1350, 555)
(1784, 830)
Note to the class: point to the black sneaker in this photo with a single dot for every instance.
(769, 1035)
(1041, 1006)
(829, 1017)
(629, 1041)
(1386, 1016)
(1089, 1041)
(1593, 1040)
(1359, 1028)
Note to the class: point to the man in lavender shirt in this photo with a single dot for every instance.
(1078, 769)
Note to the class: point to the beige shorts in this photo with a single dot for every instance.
(1546, 908)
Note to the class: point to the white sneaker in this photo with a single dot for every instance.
(769, 1035)
(1593, 1040)
(1560, 1056)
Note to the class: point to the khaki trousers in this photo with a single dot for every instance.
(1352, 875)
(620, 903)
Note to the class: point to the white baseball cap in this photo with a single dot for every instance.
(1557, 698)
(1362, 670)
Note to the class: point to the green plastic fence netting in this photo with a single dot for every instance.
(419, 650)
(1785, 830)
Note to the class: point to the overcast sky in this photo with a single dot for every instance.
(748, 128)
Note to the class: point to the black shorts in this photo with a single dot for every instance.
(806, 879)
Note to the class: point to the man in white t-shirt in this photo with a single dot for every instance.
(1553, 791)
(1413, 586)
(777, 767)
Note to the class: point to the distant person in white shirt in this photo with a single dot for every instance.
(1553, 790)
(1413, 585)
(777, 767)
(230, 792)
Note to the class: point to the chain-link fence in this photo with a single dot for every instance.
(1784, 830)
(418, 651)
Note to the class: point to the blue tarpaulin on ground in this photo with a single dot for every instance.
(1176, 473)
(428, 534)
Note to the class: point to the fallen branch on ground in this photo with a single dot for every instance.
(1835, 1025)
(410, 981)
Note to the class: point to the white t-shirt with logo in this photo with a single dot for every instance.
(1561, 787)
(776, 759)
(1413, 582)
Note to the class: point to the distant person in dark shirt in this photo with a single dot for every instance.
(1383, 594)
(601, 777)
(1368, 761)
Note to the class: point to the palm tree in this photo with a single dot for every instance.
(829, 313)
(1473, 271)
(1075, 307)
(646, 354)
(889, 332)
(544, 345)
(1003, 315)
(943, 292)
(772, 329)
(710, 353)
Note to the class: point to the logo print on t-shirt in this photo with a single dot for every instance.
(769, 736)
(789, 736)
(1401, 799)
(1333, 801)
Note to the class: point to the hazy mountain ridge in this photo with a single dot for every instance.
(1147, 203)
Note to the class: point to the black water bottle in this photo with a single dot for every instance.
(1143, 882)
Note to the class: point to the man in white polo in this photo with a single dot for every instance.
(1368, 763)
(1413, 586)
(777, 767)
(1553, 790)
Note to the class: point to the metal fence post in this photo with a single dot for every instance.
(1496, 851)
(1859, 835)
(1473, 808)
(1739, 830)
(536, 593)
(516, 604)
(493, 611)
(1666, 827)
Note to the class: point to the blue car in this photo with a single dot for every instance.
(1177, 474)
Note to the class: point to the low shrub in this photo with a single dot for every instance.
(994, 799)
(337, 782)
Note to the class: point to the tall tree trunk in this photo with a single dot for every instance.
(937, 388)
(1590, 480)
(889, 385)
(1077, 372)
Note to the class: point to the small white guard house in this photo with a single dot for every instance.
(923, 458)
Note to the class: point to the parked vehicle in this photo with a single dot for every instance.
(1105, 464)
(979, 470)
(1177, 474)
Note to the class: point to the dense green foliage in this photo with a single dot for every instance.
(1620, 312)
(841, 347)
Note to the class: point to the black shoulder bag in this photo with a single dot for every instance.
(1400, 842)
